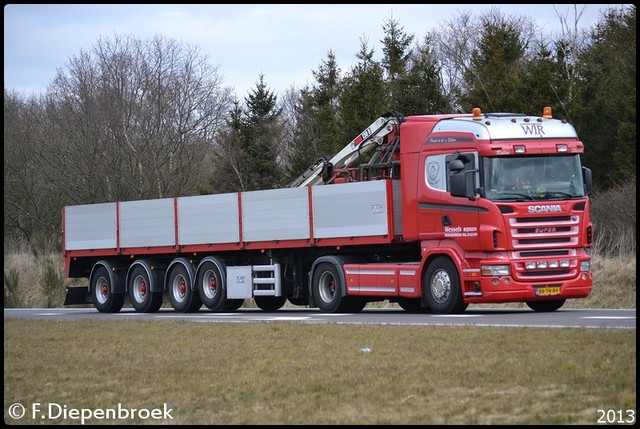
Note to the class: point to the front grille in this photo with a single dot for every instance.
(539, 232)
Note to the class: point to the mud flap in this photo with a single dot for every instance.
(77, 295)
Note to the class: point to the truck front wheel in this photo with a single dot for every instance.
(442, 287)
(327, 289)
(102, 292)
(140, 294)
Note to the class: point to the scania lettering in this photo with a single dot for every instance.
(545, 209)
(438, 213)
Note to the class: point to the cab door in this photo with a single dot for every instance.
(459, 220)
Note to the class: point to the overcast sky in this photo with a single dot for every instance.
(285, 42)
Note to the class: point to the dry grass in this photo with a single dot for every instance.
(280, 373)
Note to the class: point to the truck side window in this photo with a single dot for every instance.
(435, 173)
(469, 160)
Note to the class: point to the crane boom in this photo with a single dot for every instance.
(372, 136)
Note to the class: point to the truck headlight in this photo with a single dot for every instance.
(585, 265)
(495, 270)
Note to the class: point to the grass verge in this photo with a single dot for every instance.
(281, 373)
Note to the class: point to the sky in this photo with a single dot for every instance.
(282, 42)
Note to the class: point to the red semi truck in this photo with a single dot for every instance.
(449, 210)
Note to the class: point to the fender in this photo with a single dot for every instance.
(156, 277)
(338, 262)
(188, 266)
(115, 277)
(433, 248)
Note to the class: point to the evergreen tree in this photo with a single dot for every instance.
(543, 83)
(317, 130)
(396, 49)
(605, 109)
(260, 132)
(496, 65)
(419, 90)
(363, 97)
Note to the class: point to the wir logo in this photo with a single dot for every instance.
(532, 129)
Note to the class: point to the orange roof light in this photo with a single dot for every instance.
(546, 113)
(477, 114)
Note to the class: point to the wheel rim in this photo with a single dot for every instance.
(179, 288)
(210, 284)
(440, 286)
(327, 286)
(102, 290)
(140, 288)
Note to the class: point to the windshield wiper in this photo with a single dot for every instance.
(561, 193)
(517, 194)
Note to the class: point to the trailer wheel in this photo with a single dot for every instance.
(181, 294)
(102, 292)
(442, 287)
(546, 306)
(140, 295)
(270, 303)
(232, 304)
(210, 287)
(327, 290)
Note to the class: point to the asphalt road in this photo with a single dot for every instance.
(563, 318)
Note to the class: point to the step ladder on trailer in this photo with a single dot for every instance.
(248, 281)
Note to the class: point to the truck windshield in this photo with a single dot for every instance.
(532, 177)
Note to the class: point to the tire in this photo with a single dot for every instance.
(299, 301)
(441, 287)
(104, 299)
(327, 289)
(270, 303)
(546, 306)
(357, 304)
(211, 288)
(140, 295)
(412, 305)
(232, 304)
(181, 294)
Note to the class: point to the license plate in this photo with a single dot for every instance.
(546, 291)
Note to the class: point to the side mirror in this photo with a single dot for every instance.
(458, 184)
(587, 179)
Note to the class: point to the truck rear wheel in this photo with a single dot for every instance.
(181, 294)
(327, 289)
(270, 303)
(442, 287)
(140, 294)
(104, 299)
(546, 306)
(210, 286)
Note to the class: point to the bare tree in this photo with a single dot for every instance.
(570, 43)
(133, 119)
(454, 43)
